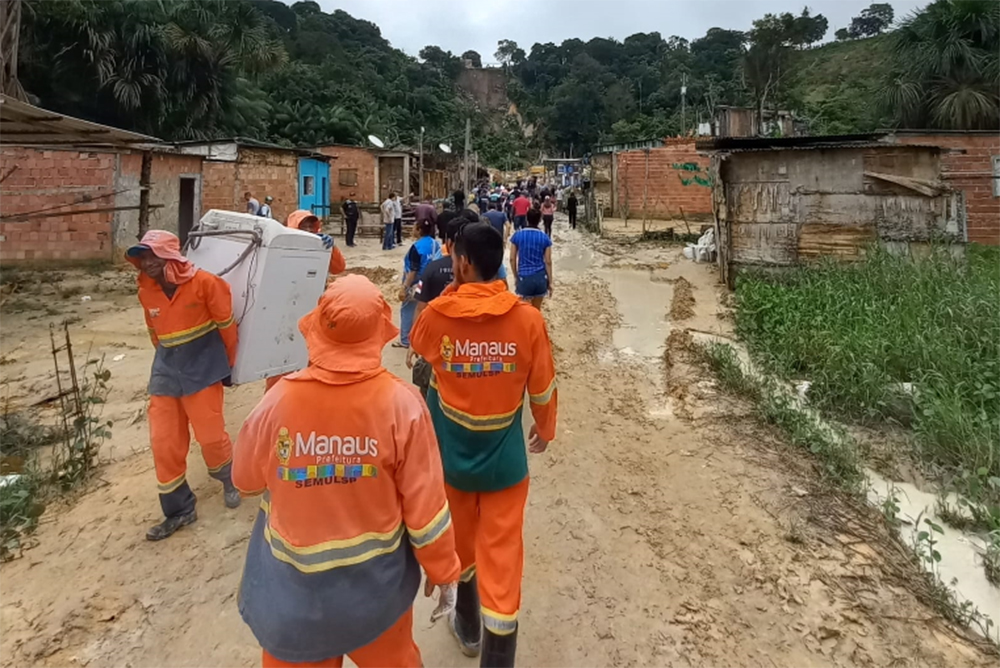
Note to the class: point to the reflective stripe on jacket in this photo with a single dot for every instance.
(194, 333)
(354, 502)
(487, 348)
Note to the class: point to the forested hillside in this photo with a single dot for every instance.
(185, 69)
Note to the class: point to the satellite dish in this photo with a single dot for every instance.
(376, 141)
(445, 148)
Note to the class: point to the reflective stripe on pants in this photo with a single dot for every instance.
(393, 648)
(489, 539)
(170, 440)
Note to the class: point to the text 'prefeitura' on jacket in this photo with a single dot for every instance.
(487, 348)
(193, 331)
(354, 504)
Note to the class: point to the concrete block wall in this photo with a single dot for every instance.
(45, 179)
(164, 176)
(678, 179)
(972, 173)
(346, 158)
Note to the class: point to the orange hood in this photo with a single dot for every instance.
(346, 331)
(471, 300)
(165, 246)
(296, 217)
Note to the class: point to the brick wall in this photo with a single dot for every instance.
(274, 173)
(347, 158)
(971, 172)
(44, 179)
(263, 172)
(678, 179)
(218, 187)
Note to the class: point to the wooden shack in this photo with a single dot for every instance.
(784, 201)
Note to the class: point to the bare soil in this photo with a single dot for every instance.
(664, 526)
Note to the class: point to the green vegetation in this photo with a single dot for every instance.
(944, 69)
(832, 86)
(39, 460)
(907, 340)
(835, 451)
(199, 69)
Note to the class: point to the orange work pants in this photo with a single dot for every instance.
(393, 649)
(170, 439)
(489, 539)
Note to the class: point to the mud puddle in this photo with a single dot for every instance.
(961, 565)
(642, 328)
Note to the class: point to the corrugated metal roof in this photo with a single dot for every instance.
(24, 124)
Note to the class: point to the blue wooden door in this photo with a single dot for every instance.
(314, 186)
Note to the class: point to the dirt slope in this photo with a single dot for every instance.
(663, 527)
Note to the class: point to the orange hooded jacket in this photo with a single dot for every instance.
(193, 331)
(487, 348)
(337, 262)
(354, 495)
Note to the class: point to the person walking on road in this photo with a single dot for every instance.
(421, 253)
(388, 209)
(459, 198)
(520, 208)
(548, 213)
(437, 276)
(351, 215)
(487, 349)
(531, 261)
(397, 220)
(189, 315)
(571, 204)
(497, 219)
(354, 502)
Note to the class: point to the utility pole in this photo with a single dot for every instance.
(468, 142)
(684, 90)
(475, 172)
(420, 177)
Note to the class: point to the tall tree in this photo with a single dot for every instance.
(873, 21)
(473, 57)
(946, 67)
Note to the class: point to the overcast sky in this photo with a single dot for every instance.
(458, 25)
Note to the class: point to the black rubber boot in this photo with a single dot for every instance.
(465, 621)
(230, 494)
(498, 651)
(169, 526)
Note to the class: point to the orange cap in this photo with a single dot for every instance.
(349, 327)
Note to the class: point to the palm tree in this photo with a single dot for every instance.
(946, 70)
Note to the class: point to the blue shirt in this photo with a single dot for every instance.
(531, 243)
(497, 219)
(420, 255)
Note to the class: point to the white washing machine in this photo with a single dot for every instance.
(277, 275)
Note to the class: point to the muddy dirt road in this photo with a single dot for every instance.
(663, 527)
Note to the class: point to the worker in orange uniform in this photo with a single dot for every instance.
(189, 314)
(345, 455)
(486, 348)
(300, 219)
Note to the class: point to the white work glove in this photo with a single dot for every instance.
(447, 598)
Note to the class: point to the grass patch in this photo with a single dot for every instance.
(38, 460)
(834, 450)
(915, 341)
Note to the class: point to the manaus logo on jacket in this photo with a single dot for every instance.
(283, 446)
(447, 350)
